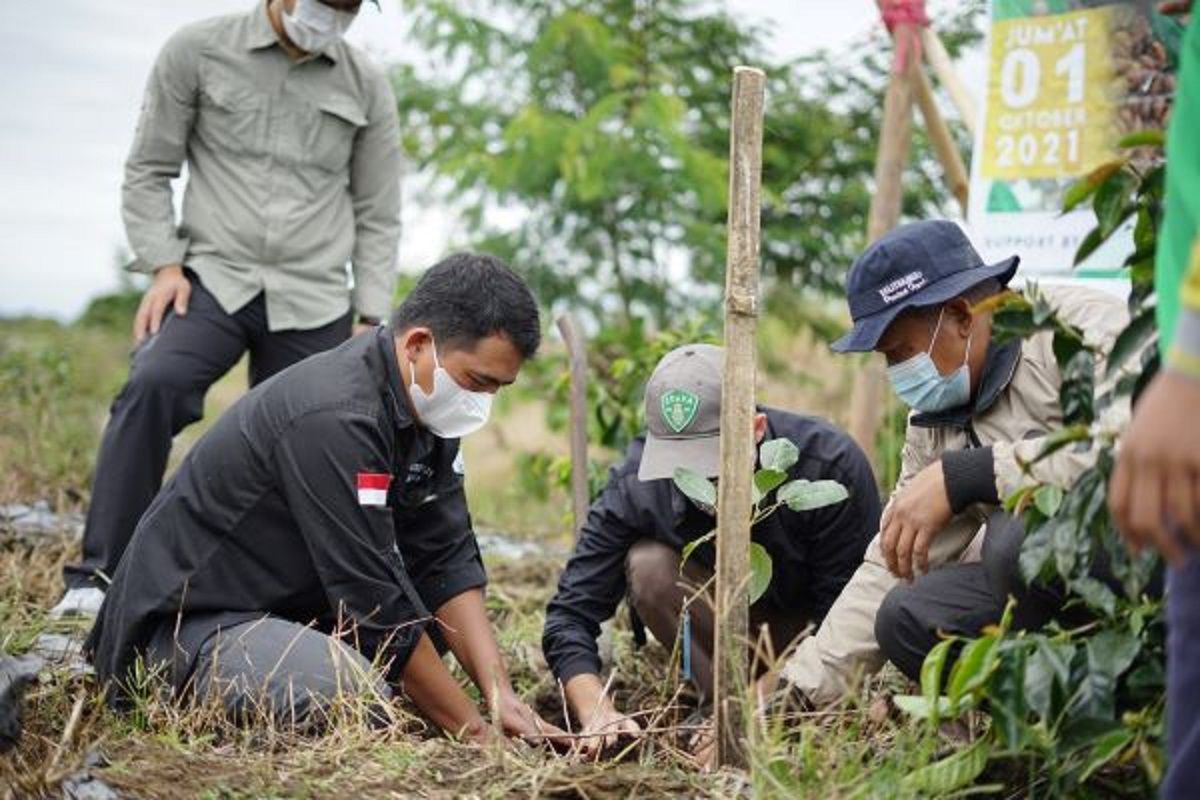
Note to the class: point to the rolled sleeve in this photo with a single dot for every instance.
(375, 190)
(157, 155)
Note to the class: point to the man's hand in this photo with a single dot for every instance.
(605, 727)
(911, 521)
(517, 719)
(596, 713)
(1156, 484)
(362, 327)
(170, 286)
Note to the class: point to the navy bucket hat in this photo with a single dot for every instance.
(919, 264)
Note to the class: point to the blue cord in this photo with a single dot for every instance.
(686, 645)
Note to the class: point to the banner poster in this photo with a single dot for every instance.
(1066, 80)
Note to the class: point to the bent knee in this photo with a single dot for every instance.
(651, 572)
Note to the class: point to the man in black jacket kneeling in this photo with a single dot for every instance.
(636, 530)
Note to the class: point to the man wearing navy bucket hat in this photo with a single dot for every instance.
(945, 558)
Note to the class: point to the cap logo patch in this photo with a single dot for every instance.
(902, 287)
(679, 408)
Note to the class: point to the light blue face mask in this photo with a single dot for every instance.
(919, 384)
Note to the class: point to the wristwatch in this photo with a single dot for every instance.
(363, 319)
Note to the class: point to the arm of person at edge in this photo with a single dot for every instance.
(465, 627)
(590, 589)
(156, 156)
(375, 198)
(1155, 490)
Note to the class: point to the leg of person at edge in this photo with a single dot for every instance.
(945, 558)
(631, 542)
(1155, 490)
(315, 544)
(292, 145)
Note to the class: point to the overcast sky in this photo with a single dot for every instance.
(70, 98)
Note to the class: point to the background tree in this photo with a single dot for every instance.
(597, 130)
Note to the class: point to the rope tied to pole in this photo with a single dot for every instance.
(907, 16)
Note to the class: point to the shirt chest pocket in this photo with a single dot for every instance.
(331, 128)
(231, 118)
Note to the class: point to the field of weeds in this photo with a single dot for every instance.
(57, 384)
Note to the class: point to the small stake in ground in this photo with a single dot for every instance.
(735, 504)
(577, 353)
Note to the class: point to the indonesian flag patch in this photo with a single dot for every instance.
(373, 488)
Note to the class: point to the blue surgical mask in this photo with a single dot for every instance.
(919, 384)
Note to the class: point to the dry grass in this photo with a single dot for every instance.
(161, 750)
(50, 419)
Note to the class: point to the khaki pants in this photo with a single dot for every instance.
(844, 648)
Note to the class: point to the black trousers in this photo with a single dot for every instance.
(962, 599)
(169, 375)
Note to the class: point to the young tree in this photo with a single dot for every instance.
(600, 129)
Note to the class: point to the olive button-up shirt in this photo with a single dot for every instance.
(293, 172)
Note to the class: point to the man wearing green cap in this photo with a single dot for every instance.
(632, 539)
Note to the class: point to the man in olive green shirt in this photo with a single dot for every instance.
(291, 140)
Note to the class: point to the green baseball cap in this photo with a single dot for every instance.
(683, 413)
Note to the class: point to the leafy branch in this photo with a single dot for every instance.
(776, 457)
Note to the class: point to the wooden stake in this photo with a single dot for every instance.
(943, 143)
(735, 504)
(943, 68)
(577, 354)
(894, 141)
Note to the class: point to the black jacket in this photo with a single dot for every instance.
(265, 516)
(814, 553)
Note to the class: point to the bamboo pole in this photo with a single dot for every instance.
(735, 504)
(955, 172)
(577, 355)
(894, 142)
(943, 68)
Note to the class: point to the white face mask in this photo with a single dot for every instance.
(449, 411)
(313, 26)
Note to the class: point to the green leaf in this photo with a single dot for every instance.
(1019, 499)
(1090, 243)
(688, 548)
(1035, 552)
(951, 773)
(919, 707)
(1048, 499)
(973, 668)
(1047, 676)
(1086, 186)
(1095, 594)
(761, 569)
(804, 495)
(1131, 339)
(1105, 751)
(1152, 137)
(696, 486)
(1006, 696)
(1112, 203)
(778, 454)
(765, 480)
(1112, 652)
(932, 669)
